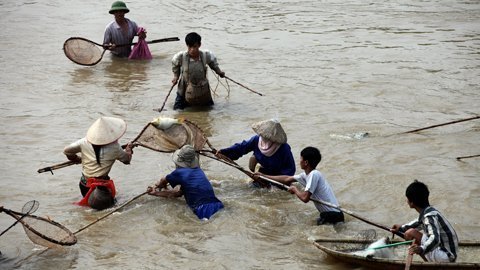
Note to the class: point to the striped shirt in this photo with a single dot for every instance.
(115, 35)
(438, 230)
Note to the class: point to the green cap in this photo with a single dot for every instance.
(118, 6)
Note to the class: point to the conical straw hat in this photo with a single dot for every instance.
(106, 130)
(270, 130)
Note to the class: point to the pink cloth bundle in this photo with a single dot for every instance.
(140, 50)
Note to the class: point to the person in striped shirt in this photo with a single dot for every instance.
(439, 241)
(121, 31)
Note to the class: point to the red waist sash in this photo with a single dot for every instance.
(93, 183)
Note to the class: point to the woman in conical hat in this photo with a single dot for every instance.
(99, 151)
(270, 149)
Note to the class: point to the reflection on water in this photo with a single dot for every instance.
(82, 75)
(123, 74)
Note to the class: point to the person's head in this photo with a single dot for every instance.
(118, 7)
(270, 130)
(186, 157)
(310, 157)
(417, 194)
(193, 41)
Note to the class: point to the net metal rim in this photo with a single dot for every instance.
(70, 235)
(65, 44)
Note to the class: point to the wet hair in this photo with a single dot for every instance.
(192, 39)
(417, 193)
(97, 149)
(312, 155)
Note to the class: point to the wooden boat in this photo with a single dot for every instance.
(342, 250)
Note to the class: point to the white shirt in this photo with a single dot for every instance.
(108, 154)
(318, 186)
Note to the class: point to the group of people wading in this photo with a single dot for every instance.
(271, 156)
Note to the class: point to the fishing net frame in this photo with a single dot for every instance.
(173, 138)
(83, 51)
(42, 231)
(157, 139)
(29, 208)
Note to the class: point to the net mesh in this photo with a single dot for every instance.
(47, 233)
(368, 235)
(172, 138)
(82, 51)
(30, 207)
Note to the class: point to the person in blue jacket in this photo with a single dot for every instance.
(270, 150)
(189, 180)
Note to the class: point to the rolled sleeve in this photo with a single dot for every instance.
(212, 61)
(73, 148)
(177, 63)
(123, 156)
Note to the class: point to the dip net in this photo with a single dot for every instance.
(42, 231)
(83, 51)
(169, 134)
(47, 233)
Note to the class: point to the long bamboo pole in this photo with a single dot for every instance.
(251, 90)
(473, 156)
(285, 187)
(440, 125)
(165, 101)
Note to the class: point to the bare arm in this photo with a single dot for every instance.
(74, 158)
(167, 193)
(284, 179)
(160, 190)
(395, 228)
(129, 151)
(304, 196)
(71, 151)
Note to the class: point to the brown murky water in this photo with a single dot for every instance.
(330, 70)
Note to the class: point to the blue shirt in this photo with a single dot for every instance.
(194, 184)
(280, 163)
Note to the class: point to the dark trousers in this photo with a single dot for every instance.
(83, 188)
(330, 217)
(181, 103)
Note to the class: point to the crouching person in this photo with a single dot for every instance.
(190, 181)
(433, 235)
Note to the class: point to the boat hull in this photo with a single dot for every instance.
(342, 251)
